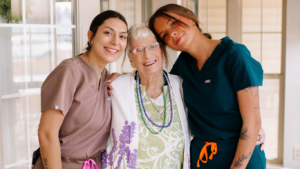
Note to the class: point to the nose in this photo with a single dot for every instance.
(115, 40)
(147, 53)
(173, 34)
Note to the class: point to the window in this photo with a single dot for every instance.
(212, 16)
(29, 51)
(146, 10)
(104, 5)
(261, 33)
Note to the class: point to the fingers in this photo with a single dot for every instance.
(109, 93)
(262, 147)
(109, 87)
(112, 77)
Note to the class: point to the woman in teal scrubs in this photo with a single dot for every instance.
(220, 87)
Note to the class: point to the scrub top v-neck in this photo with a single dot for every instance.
(210, 94)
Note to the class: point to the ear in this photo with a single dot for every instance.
(131, 61)
(90, 34)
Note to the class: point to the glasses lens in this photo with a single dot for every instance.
(153, 46)
(139, 50)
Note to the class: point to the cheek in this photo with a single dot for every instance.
(123, 44)
(98, 41)
(168, 41)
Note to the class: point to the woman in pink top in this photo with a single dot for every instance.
(76, 115)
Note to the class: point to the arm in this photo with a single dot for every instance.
(249, 107)
(50, 123)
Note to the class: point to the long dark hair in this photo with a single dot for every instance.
(98, 21)
(177, 9)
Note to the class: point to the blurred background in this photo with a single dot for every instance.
(36, 35)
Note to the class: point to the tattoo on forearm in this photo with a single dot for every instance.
(239, 162)
(253, 90)
(257, 107)
(244, 134)
(45, 162)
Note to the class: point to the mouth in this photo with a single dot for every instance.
(178, 39)
(111, 50)
(150, 63)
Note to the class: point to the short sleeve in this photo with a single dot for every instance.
(58, 89)
(244, 71)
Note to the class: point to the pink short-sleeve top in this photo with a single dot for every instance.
(72, 88)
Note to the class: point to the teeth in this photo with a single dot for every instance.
(111, 50)
(149, 63)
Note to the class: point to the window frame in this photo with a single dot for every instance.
(234, 30)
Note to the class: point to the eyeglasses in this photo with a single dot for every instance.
(141, 50)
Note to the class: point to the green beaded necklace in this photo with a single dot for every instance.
(140, 107)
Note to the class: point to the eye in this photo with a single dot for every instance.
(107, 32)
(123, 37)
(164, 37)
(152, 46)
(139, 49)
(174, 23)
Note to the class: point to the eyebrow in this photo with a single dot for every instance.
(167, 24)
(114, 30)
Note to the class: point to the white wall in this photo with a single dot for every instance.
(292, 84)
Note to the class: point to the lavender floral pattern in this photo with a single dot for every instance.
(125, 139)
(104, 157)
(114, 149)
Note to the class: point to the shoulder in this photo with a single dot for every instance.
(71, 62)
(122, 80)
(174, 78)
(183, 56)
(238, 48)
(64, 72)
(239, 53)
(68, 65)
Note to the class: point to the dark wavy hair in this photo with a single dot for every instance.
(177, 9)
(98, 21)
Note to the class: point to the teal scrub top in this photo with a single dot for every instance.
(210, 95)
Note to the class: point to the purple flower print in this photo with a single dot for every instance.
(131, 158)
(104, 157)
(125, 138)
(114, 149)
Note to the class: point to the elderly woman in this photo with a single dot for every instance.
(149, 124)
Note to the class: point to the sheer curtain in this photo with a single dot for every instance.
(29, 51)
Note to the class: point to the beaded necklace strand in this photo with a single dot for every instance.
(142, 108)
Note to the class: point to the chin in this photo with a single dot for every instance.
(111, 59)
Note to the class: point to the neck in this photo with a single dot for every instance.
(201, 49)
(94, 61)
(153, 82)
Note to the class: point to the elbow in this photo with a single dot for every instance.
(46, 137)
(254, 124)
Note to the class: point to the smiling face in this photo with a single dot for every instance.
(110, 40)
(176, 35)
(149, 62)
